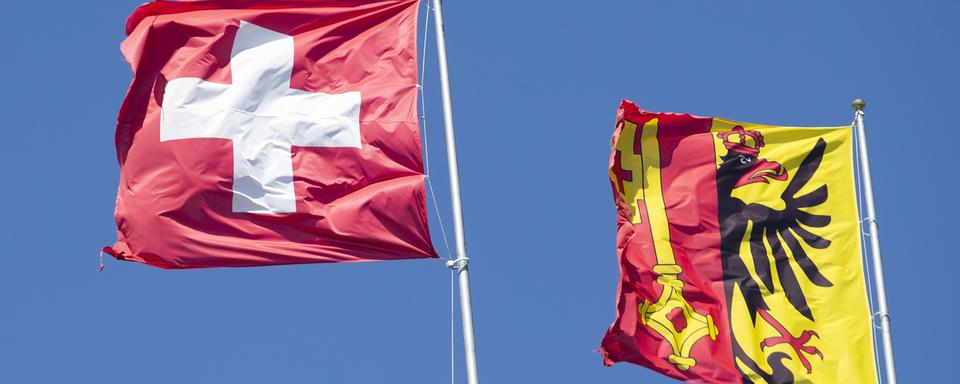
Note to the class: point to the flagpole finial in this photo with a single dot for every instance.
(859, 104)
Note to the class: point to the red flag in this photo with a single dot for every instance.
(270, 132)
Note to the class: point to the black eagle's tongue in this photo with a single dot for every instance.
(761, 171)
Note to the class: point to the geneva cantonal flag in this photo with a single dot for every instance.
(270, 132)
(739, 250)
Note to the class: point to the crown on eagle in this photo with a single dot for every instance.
(743, 141)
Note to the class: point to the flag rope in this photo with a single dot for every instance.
(426, 144)
(453, 315)
(100, 268)
(429, 182)
(864, 258)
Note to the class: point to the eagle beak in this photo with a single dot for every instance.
(761, 171)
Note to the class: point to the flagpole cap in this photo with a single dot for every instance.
(859, 104)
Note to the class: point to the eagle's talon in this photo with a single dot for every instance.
(812, 351)
(798, 344)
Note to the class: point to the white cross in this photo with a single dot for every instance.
(262, 116)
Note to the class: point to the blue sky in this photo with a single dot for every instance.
(535, 92)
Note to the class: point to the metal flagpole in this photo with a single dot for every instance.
(882, 313)
(460, 263)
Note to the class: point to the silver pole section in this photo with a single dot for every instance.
(460, 264)
(882, 313)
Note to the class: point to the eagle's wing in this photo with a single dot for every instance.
(784, 227)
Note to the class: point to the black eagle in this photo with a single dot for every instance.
(771, 231)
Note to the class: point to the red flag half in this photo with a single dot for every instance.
(270, 132)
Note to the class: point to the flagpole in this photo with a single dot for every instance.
(460, 263)
(882, 313)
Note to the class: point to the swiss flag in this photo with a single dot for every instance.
(270, 132)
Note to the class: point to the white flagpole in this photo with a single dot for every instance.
(882, 313)
(460, 263)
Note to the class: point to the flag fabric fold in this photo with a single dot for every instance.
(270, 132)
(739, 251)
